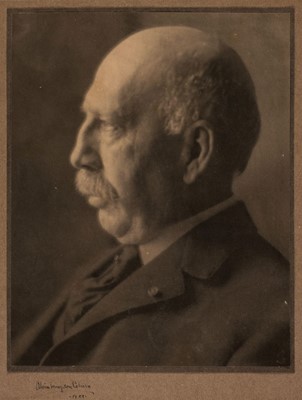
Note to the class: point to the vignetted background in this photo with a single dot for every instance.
(52, 59)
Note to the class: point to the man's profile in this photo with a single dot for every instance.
(171, 119)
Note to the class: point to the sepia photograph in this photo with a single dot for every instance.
(150, 157)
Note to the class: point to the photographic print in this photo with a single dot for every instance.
(150, 194)
(176, 107)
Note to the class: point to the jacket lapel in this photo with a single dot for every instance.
(158, 281)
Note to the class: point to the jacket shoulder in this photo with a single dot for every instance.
(261, 280)
(250, 287)
(259, 264)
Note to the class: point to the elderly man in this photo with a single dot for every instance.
(171, 118)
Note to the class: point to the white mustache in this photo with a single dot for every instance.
(94, 184)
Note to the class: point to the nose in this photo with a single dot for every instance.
(84, 154)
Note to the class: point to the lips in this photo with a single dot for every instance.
(97, 202)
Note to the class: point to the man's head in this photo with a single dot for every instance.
(170, 117)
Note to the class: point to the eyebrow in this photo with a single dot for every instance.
(85, 108)
(114, 119)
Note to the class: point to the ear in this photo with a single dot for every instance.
(198, 148)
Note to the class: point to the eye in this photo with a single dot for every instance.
(92, 122)
(110, 130)
(97, 123)
(105, 129)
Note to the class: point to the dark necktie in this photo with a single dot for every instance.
(86, 293)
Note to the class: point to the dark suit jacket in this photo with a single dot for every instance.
(221, 299)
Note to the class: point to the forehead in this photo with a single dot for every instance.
(126, 93)
(102, 97)
(112, 87)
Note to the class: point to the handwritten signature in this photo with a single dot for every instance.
(85, 388)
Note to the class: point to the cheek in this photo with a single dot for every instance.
(120, 165)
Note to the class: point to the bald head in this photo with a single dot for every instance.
(185, 75)
(165, 44)
(142, 63)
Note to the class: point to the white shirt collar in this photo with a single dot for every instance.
(148, 251)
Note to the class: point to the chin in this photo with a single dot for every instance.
(121, 226)
(114, 222)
